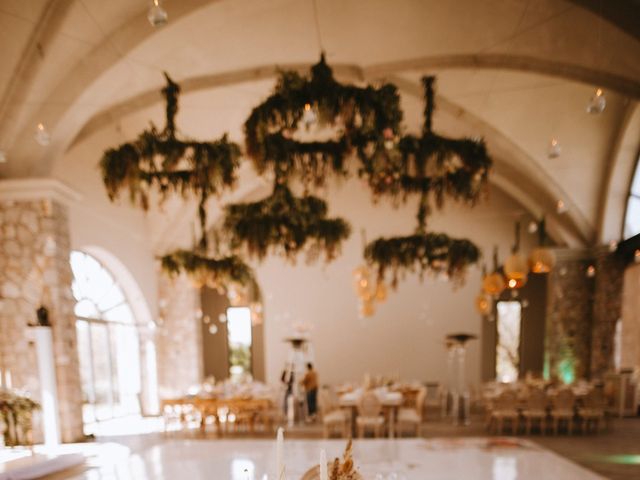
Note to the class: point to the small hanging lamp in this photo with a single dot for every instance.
(494, 283)
(542, 259)
(516, 267)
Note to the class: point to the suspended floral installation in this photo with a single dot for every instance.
(158, 160)
(433, 167)
(287, 222)
(283, 222)
(214, 273)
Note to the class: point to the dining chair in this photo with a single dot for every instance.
(592, 412)
(504, 411)
(563, 410)
(412, 417)
(370, 415)
(333, 418)
(536, 409)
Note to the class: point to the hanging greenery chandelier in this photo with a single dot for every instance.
(432, 167)
(158, 160)
(283, 222)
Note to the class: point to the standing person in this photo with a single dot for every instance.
(287, 379)
(310, 382)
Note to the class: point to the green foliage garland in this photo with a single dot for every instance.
(158, 159)
(433, 167)
(285, 221)
(433, 252)
(359, 115)
(215, 273)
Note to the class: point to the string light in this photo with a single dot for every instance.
(597, 103)
(591, 271)
(42, 136)
(561, 207)
(309, 116)
(157, 15)
(554, 149)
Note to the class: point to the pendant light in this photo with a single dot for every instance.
(542, 259)
(484, 302)
(494, 283)
(516, 267)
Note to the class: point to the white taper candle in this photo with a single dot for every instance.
(280, 454)
(324, 474)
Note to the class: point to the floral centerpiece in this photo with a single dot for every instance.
(16, 412)
(338, 469)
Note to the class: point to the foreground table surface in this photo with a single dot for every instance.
(481, 458)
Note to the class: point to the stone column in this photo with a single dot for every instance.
(607, 309)
(179, 336)
(34, 272)
(569, 317)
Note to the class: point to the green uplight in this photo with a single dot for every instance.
(567, 370)
(627, 459)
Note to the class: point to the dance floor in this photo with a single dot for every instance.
(408, 459)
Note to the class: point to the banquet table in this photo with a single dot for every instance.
(391, 402)
(218, 407)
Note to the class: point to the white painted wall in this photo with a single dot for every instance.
(109, 231)
(406, 335)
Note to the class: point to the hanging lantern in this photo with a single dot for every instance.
(542, 259)
(494, 283)
(483, 304)
(516, 267)
(381, 292)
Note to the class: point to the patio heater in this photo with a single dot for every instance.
(459, 392)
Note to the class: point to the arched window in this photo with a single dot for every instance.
(632, 215)
(108, 347)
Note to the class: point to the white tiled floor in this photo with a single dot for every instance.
(417, 459)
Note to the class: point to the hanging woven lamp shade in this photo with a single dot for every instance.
(483, 304)
(516, 267)
(494, 284)
(542, 260)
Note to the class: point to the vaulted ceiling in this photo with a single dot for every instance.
(517, 72)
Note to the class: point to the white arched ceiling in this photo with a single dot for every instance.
(515, 72)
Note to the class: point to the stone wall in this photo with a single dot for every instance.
(179, 336)
(569, 317)
(35, 271)
(607, 310)
(582, 312)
